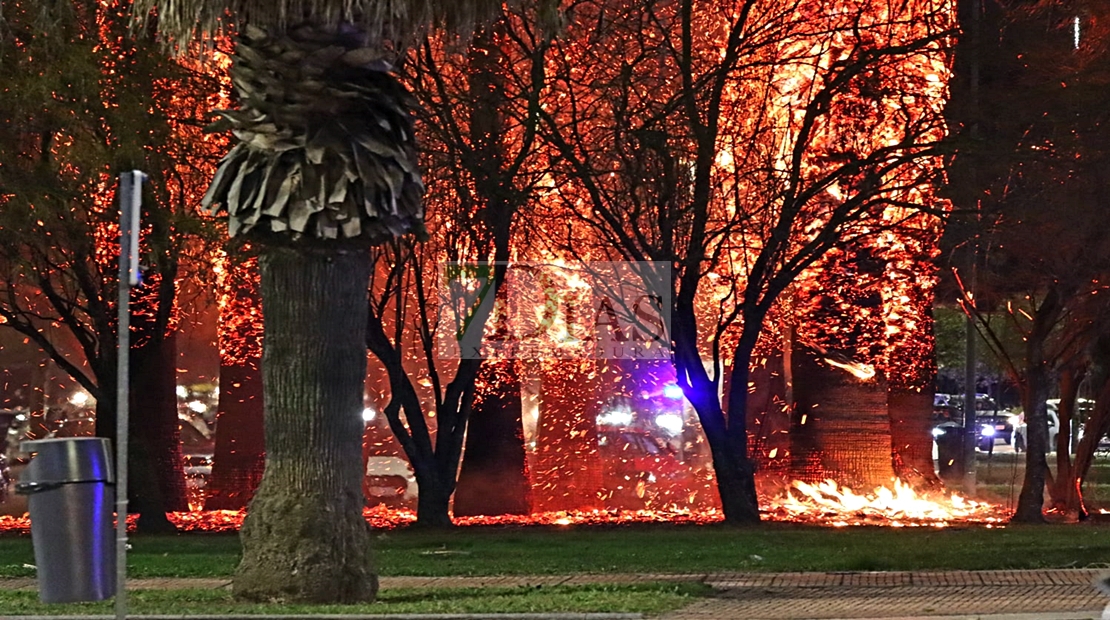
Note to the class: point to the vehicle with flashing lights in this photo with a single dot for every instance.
(389, 481)
(642, 469)
(994, 426)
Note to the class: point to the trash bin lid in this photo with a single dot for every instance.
(68, 459)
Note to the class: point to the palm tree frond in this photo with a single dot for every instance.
(326, 141)
(399, 21)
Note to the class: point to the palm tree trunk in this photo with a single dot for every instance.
(911, 443)
(305, 538)
(240, 452)
(841, 428)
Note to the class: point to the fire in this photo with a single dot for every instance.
(831, 504)
(825, 503)
(863, 372)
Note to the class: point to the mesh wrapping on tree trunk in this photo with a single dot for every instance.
(326, 141)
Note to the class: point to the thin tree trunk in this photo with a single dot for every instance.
(305, 538)
(157, 479)
(1070, 378)
(736, 477)
(727, 437)
(1034, 394)
(494, 475)
(240, 454)
(1096, 427)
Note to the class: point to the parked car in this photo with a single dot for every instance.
(389, 480)
(993, 426)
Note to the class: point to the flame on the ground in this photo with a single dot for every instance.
(819, 504)
(828, 503)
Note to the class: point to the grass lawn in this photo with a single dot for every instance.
(642, 598)
(648, 548)
(999, 478)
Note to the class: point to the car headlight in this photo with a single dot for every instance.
(987, 431)
(1014, 420)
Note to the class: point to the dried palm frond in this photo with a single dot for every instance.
(398, 21)
(326, 141)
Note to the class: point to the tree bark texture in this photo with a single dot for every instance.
(568, 468)
(156, 483)
(240, 454)
(911, 440)
(840, 429)
(1097, 427)
(1034, 394)
(727, 436)
(1070, 378)
(305, 538)
(494, 476)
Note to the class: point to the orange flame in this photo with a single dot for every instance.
(863, 372)
(900, 506)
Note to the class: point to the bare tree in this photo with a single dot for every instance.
(482, 178)
(743, 139)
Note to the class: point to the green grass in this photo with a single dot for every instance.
(649, 548)
(642, 598)
(999, 479)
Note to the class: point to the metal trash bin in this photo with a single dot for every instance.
(70, 486)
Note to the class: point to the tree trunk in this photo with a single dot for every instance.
(911, 372)
(727, 437)
(568, 468)
(841, 430)
(156, 479)
(305, 538)
(494, 476)
(433, 505)
(1070, 378)
(1034, 394)
(911, 441)
(240, 455)
(1095, 428)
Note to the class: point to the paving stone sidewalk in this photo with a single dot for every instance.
(1061, 594)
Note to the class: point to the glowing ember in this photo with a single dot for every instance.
(822, 504)
(830, 504)
(863, 372)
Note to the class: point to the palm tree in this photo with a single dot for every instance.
(325, 168)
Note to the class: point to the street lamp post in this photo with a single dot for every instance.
(130, 201)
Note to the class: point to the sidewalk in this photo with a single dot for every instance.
(1057, 594)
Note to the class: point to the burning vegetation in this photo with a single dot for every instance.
(779, 158)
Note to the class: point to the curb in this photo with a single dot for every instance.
(1058, 615)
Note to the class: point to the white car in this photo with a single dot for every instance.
(1020, 429)
(389, 480)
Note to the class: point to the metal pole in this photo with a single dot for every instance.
(130, 199)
